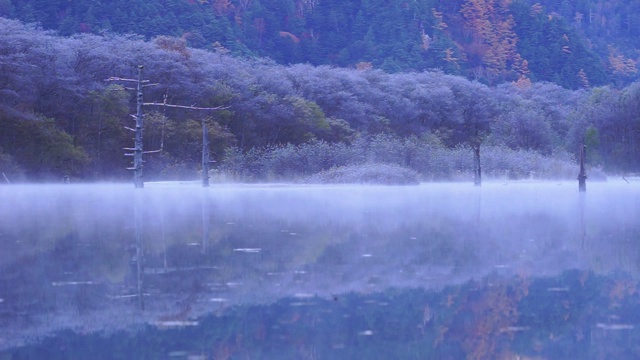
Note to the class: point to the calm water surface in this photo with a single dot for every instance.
(439, 271)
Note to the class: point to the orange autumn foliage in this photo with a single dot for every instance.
(491, 27)
(620, 64)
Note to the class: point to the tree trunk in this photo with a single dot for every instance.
(477, 170)
(205, 155)
(582, 176)
(137, 154)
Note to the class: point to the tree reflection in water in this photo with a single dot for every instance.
(321, 272)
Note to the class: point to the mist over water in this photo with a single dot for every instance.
(70, 253)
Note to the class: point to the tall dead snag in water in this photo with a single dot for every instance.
(583, 223)
(206, 160)
(477, 169)
(582, 176)
(205, 135)
(137, 151)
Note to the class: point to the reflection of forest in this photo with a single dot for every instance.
(72, 264)
(576, 314)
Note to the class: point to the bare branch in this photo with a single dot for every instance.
(152, 151)
(186, 107)
(130, 129)
(113, 78)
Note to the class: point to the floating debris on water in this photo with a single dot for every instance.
(615, 326)
(558, 289)
(366, 255)
(365, 333)
(124, 296)
(67, 283)
(175, 323)
(186, 355)
(248, 250)
(218, 300)
(152, 271)
(193, 244)
(300, 303)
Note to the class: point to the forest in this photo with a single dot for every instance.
(575, 44)
(59, 117)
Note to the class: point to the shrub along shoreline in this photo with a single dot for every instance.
(388, 159)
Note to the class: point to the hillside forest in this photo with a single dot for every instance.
(575, 44)
(285, 120)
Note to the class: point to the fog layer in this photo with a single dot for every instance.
(70, 252)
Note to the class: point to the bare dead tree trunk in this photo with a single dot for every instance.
(137, 151)
(582, 176)
(477, 170)
(137, 154)
(205, 155)
(206, 159)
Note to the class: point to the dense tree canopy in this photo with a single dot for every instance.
(58, 115)
(574, 44)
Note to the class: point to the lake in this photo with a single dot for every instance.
(527, 270)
